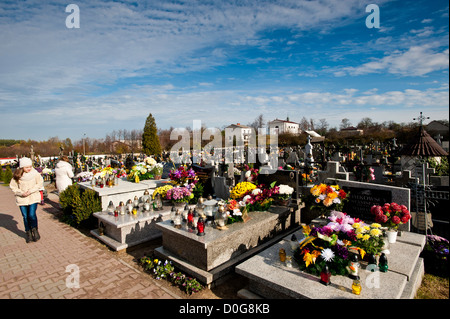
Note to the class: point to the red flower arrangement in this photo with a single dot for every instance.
(391, 215)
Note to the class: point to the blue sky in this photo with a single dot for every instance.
(220, 62)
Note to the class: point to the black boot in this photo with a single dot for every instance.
(29, 236)
(36, 235)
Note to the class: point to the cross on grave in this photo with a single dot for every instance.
(405, 179)
(332, 171)
(424, 168)
(438, 139)
(421, 118)
(337, 157)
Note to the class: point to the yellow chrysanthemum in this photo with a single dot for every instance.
(356, 225)
(365, 237)
(241, 189)
(375, 225)
(375, 232)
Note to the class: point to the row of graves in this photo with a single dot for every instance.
(294, 227)
(327, 235)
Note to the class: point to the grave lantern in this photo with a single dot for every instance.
(354, 266)
(294, 242)
(136, 202)
(122, 208)
(282, 254)
(101, 229)
(145, 196)
(93, 181)
(289, 261)
(325, 275)
(157, 204)
(110, 208)
(177, 219)
(201, 227)
(200, 207)
(372, 264)
(190, 218)
(129, 206)
(173, 212)
(221, 217)
(356, 286)
(383, 263)
(147, 205)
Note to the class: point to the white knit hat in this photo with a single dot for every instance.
(24, 162)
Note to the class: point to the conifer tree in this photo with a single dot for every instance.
(150, 139)
(7, 175)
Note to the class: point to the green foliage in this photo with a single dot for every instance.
(78, 206)
(150, 139)
(1, 173)
(8, 142)
(441, 169)
(7, 175)
(198, 192)
(166, 271)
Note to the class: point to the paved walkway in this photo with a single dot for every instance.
(48, 269)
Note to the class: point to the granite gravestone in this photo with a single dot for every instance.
(364, 195)
(361, 200)
(285, 177)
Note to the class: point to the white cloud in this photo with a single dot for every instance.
(416, 61)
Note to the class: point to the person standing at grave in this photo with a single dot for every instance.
(25, 184)
(63, 174)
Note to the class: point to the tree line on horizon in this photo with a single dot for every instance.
(152, 140)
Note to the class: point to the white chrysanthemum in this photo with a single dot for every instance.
(285, 189)
(256, 191)
(336, 200)
(327, 254)
(237, 212)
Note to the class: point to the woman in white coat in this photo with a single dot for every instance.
(25, 184)
(63, 174)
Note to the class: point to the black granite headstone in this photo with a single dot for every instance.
(285, 177)
(360, 201)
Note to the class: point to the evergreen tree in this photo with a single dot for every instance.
(150, 139)
(7, 175)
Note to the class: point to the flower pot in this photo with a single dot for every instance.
(392, 236)
(179, 204)
(157, 177)
(283, 202)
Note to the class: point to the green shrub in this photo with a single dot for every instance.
(79, 205)
(1, 173)
(7, 175)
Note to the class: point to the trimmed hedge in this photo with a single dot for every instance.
(78, 206)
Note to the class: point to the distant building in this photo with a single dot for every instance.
(241, 132)
(284, 126)
(351, 131)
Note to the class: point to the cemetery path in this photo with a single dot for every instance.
(64, 263)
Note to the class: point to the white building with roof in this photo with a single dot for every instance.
(284, 126)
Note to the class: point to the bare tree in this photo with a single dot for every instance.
(345, 123)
